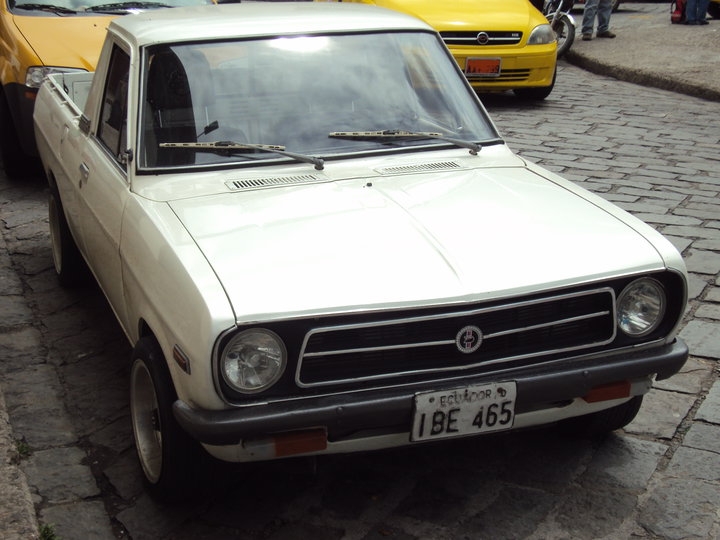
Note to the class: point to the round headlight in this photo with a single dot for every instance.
(253, 361)
(640, 307)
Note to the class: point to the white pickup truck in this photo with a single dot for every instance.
(317, 241)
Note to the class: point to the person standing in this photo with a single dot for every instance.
(601, 9)
(695, 11)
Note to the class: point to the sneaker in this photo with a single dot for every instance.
(586, 37)
(703, 21)
(606, 34)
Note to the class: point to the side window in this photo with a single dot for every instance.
(112, 131)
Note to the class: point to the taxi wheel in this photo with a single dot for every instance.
(69, 265)
(14, 160)
(536, 94)
(169, 457)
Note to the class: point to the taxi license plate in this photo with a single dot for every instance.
(482, 67)
(464, 411)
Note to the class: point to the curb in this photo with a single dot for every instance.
(639, 76)
(17, 511)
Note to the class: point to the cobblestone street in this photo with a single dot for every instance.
(64, 376)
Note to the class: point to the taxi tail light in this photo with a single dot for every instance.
(607, 392)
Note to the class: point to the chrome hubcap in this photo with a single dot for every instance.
(146, 422)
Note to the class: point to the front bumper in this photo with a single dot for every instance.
(391, 409)
(518, 69)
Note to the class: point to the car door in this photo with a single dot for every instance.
(104, 187)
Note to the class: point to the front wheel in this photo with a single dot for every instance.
(565, 31)
(169, 457)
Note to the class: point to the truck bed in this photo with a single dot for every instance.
(72, 88)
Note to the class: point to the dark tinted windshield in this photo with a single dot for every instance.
(294, 92)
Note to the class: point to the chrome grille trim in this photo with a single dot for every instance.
(452, 341)
(504, 76)
(470, 38)
(318, 355)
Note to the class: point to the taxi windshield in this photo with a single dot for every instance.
(307, 96)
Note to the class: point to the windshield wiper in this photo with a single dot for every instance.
(46, 7)
(122, 6)
(230, 147)
(401, 134)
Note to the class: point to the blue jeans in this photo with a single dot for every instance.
(601, 8)
(696, 10)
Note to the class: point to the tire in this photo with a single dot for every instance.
(603, 422)
(15, 162)
(565, 32)
(169, 457)
(69, 264)
(536, 94)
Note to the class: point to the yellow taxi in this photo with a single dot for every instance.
(39, 37)
(499, 44)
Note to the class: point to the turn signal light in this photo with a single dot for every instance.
(607, 392)
(300, 442)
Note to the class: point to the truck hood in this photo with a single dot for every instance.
(408, 240)
(466, 15)
(65, 41)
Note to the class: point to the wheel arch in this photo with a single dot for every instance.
(193, 382)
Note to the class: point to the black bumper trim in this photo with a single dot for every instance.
(390, 407)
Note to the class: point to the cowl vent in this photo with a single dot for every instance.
(272, 181)
(420, 167)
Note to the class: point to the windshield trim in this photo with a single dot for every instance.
(278, 160)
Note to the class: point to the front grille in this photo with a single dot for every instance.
(515, 334)
(471, 38)
(505, 75)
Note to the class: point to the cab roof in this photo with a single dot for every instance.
(255, 19)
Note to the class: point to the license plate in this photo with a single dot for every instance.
(464, 411)
(482, 67)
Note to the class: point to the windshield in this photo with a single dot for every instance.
(80, 7)
(302, 95)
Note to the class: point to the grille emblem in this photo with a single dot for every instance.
(483, 38)
(469, 339)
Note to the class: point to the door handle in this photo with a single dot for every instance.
(84, 173)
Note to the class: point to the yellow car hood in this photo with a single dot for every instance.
(65, 41)
(459, 15)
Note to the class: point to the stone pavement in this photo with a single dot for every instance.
(671, 464)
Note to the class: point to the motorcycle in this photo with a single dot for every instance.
(562, 23)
